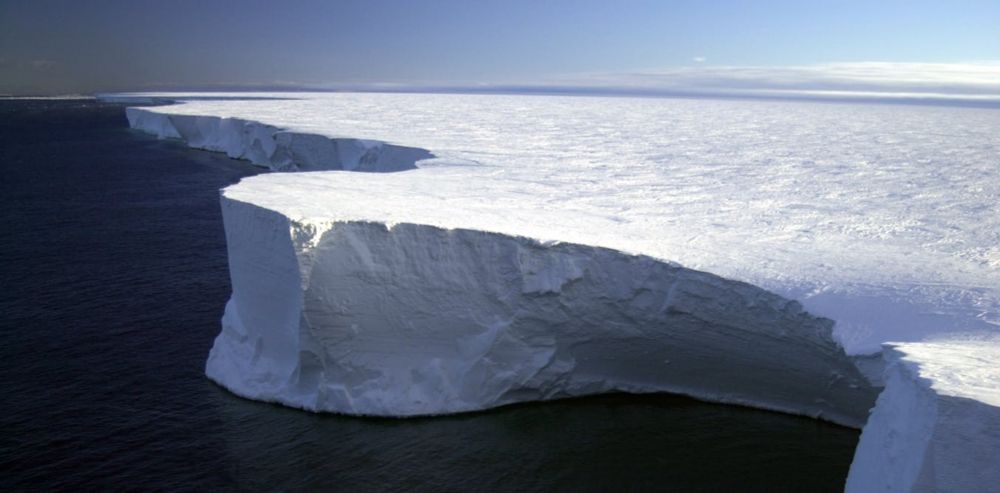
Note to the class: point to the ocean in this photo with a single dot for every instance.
(113, 279)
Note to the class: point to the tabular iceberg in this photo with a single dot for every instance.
(546, 248)
(881, 218)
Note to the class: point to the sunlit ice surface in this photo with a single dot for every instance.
(883, 217)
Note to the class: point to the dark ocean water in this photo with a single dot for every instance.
(112, 282)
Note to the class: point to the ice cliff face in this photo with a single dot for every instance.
(269, 146)
(936, 426)
(407, 319)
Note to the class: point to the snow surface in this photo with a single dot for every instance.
(936, 426)
(884, 218)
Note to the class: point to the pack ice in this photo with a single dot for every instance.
(748, 252)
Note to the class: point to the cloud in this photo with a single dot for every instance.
(42, 65)
(962, 84)
(699, 59)
(944, 80)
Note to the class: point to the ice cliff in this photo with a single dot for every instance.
(384, 319)
(936, 426)
(270, 147)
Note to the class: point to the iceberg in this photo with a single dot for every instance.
(746, 252)
(882, 218)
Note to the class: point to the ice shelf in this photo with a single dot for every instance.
(748, 252)
(883, 218)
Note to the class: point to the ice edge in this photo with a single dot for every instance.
(274, 148)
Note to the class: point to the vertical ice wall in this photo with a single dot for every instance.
(271, 147)
(936, 427)
(407, 319)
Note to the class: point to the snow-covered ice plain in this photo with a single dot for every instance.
(548, 246)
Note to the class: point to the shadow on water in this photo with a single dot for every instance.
(597, 443)
(113, 269)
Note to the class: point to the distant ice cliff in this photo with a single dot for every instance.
(268, 146)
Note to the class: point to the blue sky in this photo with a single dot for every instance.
(74, 46)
